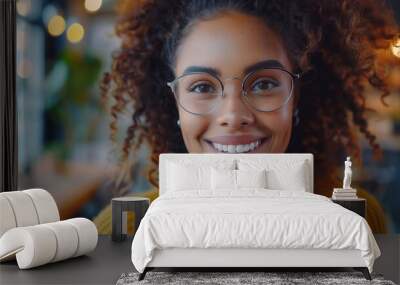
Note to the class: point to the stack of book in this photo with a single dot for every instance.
(344, 194)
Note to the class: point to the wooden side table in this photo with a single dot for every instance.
(120, 206)
(356, 205)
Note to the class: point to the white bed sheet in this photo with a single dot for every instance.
(251, 218)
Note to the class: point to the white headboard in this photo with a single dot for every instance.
(209, 157)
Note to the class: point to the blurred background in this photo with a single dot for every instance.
(63, 48)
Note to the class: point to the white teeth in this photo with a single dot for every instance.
(236, 148)
(216, 146)
(239, 148)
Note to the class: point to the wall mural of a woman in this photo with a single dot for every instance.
(251, 76)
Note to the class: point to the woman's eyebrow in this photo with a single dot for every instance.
(210, 70)
(270, 63)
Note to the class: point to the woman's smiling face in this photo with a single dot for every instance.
(230, 43)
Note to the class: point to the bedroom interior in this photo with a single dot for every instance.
(215, 188)
(68, 216)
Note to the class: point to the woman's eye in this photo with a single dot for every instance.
(265, 85)
(202, 88)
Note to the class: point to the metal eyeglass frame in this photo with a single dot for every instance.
(294, 76)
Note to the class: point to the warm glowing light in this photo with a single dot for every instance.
(396, 48)
(92, 5)
(24, 7)
(75, 33)
(56, 25)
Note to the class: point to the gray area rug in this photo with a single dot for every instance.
(228, 278)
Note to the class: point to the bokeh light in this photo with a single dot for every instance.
(396, 48)
(56, 25)
(75, 33)
(92, 5)
(24, 7)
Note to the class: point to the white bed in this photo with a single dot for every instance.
(282, 224)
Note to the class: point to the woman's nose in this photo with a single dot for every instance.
(233, 112)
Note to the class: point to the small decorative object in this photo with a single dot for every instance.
(345, 193)
(347, 174)
(120, 206)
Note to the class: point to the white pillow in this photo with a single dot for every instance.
(251, 178)
(236, 179)
(223, 179)
(189, 175)
(289, 179)
(280, 174)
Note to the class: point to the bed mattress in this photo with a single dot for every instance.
(250, 218)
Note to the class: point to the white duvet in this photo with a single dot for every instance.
(251, 218)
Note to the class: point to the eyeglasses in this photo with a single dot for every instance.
(265, 90)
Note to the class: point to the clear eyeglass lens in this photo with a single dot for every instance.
(268, 89)
(198, 92)
(265, 90)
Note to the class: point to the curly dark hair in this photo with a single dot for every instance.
(333, 43)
